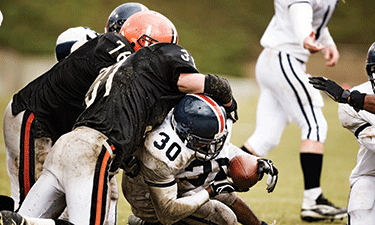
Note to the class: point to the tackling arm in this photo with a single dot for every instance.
(214, 86)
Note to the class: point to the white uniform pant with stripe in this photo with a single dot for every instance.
(285, 96)
(75, 174)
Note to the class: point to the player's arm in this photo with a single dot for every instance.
(331, 54)
(170, 209)
(215, 86)
(355, 98)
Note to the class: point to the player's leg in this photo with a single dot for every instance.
(84, 163)
(270, 124)
(270, 118)
(46, 198)
(361, 203)
(304, 106)
(12, 130)
(24, 154)
(112, 216)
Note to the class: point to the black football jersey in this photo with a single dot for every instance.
(135, 95)
(57, 97)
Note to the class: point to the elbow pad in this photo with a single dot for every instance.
(218, 88)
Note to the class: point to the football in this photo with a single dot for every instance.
(243, 170)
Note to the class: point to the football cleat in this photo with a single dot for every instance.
(322, 210)
(11, 218)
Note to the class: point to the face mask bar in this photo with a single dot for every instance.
(146, 40)
(370, 69)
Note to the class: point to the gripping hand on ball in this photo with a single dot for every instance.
(331, 88)
(224, 186)
(266, 166)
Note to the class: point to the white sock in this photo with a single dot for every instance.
(309, 197)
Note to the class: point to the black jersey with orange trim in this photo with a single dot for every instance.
(57, 96)
(135, 95)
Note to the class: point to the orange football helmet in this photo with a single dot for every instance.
(148, 27)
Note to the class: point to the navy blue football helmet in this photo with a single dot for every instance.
(370, 65)
(119, 15)
(200, 123)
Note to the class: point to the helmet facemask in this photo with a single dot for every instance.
(370, 69)
(146, 40)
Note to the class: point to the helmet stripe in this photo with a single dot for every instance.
(174, 34)
(148, 33)
(216, 109)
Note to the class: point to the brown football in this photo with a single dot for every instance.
(243, 170)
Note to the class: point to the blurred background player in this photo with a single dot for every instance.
(361, 123)
(71, 39)
(126, 101)
(181, 160)
(74, 37)
(48, 106)
(297, 30)
(1, 18)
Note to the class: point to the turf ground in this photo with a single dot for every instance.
(283, 205)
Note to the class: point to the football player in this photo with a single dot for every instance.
(184, 168)
(297, 30)
(1, 18)
(361, 123)
(71, 39)
(127, 100)
(48, 106)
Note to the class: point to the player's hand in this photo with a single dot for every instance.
(266, 166)
(331, 88)
(224, 186)
(309, 44)
(331, 54)
(232, 111)
(132, 166)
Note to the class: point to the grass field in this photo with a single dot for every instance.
(283, 205)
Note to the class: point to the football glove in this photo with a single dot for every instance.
(337, 93)
(266, 166)
(331, 88)
(224, 186)
(232, 111)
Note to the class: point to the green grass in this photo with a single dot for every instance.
(283, 205)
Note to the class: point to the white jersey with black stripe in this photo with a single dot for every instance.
(280, 33)
(361, 124)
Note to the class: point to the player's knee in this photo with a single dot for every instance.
(263, 145)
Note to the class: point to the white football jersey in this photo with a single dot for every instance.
(166, 159)
(280, 34)
(361, 124)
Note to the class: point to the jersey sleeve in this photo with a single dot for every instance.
(301, 17)
(174, 61)
(366, 138)
(170, 209)
(111, 48)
